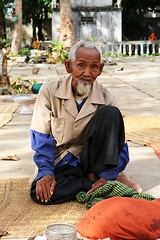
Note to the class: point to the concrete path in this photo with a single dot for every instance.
(135, 82)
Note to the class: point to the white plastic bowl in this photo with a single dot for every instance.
(25, 101)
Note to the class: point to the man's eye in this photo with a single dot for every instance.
(81, 65)
(94, 67)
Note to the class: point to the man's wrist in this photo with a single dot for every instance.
(44, 172)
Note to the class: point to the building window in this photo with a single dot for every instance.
(87, 19)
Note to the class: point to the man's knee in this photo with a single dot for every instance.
(33, 192)
(109, 111)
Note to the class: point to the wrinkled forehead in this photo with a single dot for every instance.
(88, 53)
(84, 48)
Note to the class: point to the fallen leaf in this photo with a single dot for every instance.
(3, 232)
(9, 158)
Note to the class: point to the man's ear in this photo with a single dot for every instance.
(101, 68)
(68, 66)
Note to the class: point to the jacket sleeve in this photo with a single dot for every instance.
(43, 145)
(123, 159)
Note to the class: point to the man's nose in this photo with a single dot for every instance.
(87, 71)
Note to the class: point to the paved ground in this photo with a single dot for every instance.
(135, 82)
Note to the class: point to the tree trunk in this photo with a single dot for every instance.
(2, 26)
(66, 26)
(4, 79)
(34, 25)
(17, 33)
(40, 34)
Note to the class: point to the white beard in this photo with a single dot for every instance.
(83, 89)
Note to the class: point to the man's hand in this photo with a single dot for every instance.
(97, 184)
(45, 188)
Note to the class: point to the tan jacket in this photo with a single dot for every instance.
(56, 112)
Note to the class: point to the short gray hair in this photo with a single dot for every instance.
(86, 44)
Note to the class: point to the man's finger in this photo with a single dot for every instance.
(97, 184)
(94, 187)
(42, 191)
(53, 184)
(90, 191)
(39, 192)
(46, 192)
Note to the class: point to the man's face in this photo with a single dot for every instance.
(84, 70)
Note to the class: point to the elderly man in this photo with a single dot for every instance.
(77, 132)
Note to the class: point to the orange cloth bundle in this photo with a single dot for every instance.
(122, 218)
(152, 37)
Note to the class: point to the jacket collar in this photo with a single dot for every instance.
(96, 98)
(65, 91)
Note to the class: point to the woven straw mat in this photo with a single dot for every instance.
(23, 218)
(144, 131)
(6, 112)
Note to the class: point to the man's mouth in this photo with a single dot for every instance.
(85, 79)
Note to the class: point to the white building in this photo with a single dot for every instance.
(100, 20)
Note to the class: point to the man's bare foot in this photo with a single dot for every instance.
(127, 181)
